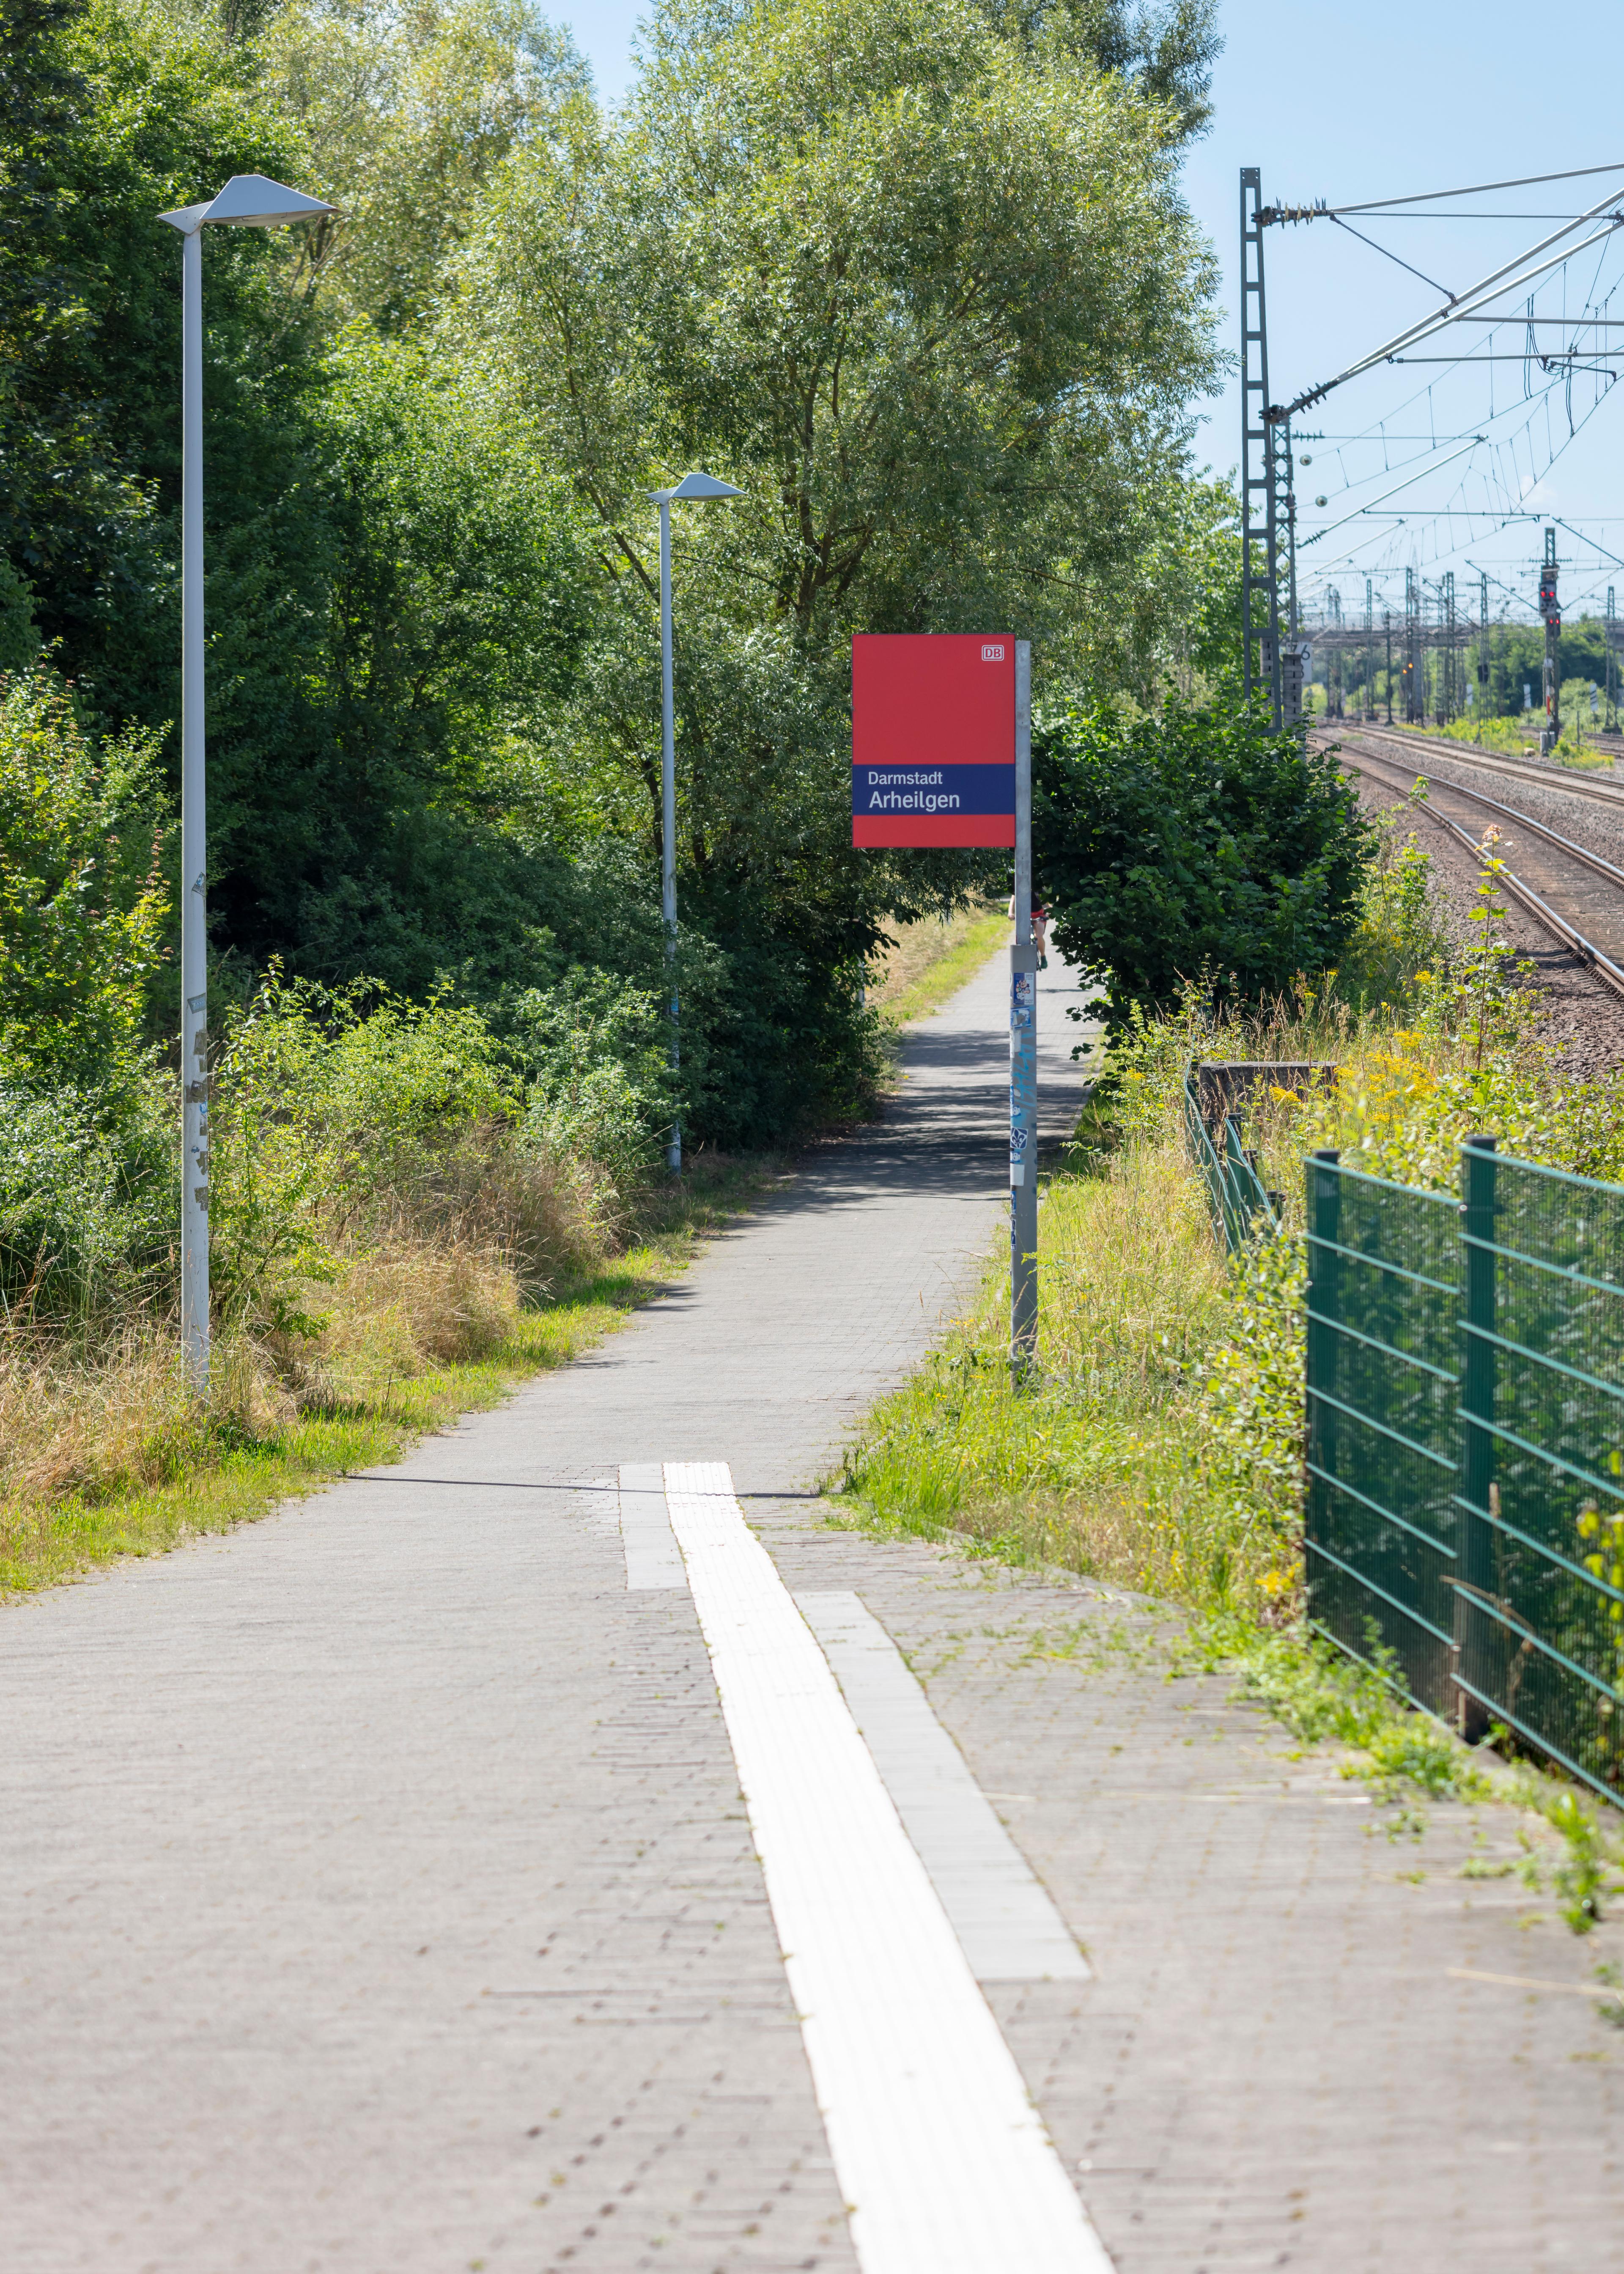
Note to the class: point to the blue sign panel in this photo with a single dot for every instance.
(880, 790)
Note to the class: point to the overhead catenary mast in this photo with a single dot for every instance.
(1333, 627)
(1259, 580)
(1432, 617)
(1367, 694)
(1550, 608)
(1268, 493)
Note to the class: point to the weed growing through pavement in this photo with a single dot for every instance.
(1584, 1874)
(1611, 2009)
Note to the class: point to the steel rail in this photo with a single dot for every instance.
(1570, 783)
(1608, 869)
(1609, 973)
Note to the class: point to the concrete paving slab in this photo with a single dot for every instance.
(378, 1891)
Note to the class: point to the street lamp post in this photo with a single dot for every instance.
(691, 485)
(247, 201)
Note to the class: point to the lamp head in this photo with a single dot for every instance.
(249, 201)
(696, 485)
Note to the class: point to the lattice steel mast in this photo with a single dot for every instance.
(1550, 608)
(1260, 564)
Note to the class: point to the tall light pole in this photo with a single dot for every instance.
(691, 485)
(247, 201)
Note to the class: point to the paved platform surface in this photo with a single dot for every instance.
(377, 1890)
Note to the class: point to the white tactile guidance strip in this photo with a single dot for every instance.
(653, 1557)
(1007, 1926)
(942, 2158)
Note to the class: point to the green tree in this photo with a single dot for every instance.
(111, 116)
(921, 283)
(83, 901)
(933, 290)
(391, 597)
(404, 114)
(389, 823)
(1194, 845)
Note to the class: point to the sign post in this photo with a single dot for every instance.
(941, 756)
(1023, 1050)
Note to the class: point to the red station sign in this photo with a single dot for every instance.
(933, 738)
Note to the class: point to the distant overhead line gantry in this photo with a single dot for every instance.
(1274, 655)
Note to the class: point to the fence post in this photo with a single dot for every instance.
(1325, 1209)
(1474, 1542)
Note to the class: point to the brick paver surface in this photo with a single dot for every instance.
(378, 1894)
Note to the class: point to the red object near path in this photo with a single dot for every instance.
(933, 739)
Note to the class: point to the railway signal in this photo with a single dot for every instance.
(1550, 608)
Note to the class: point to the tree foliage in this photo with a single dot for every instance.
(376, 822)
(83, 899)
(1197, 847)
(920, 281)
(405, 113)
(916, 274)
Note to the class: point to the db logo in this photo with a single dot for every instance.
(992, 651)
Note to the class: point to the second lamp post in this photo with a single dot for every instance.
(691, 485)
(247, 201)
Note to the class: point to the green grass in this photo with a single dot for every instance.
(933, 960)
(231, 1483)
(1509, 738)
(1089, 1468)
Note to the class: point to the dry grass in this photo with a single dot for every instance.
(471, 1283)
(550, 1217)
(931, 959)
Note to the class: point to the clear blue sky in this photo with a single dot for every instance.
(1384, 103)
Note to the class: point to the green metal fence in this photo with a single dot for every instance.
(1234, 1190)
(1465, 1522)
(1382, 1457)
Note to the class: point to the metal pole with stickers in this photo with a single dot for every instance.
(1023, 1050)
(941, 756)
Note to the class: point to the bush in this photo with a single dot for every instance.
(90, 1201)
(341, 1120)
(1197, 843)
(600, 1084)
(83, 904)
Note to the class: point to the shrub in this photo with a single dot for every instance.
(88, 1201)
(600, 1084)
(83, 906)
(1195, 843)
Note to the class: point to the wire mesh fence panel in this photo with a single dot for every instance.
(1235, 1197)
(1383, 1448)
(1542, 1488)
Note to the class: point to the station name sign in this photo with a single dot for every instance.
(933, 738)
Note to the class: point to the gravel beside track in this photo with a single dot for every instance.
(1586, 1019)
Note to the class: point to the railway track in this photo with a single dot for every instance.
(1572, 893)
(1603, 789)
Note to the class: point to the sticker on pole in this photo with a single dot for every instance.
(933, 738)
